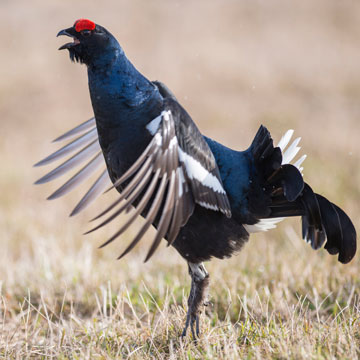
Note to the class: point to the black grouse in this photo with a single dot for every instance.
(203, 198)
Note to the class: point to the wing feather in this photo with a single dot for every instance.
(71, 163)
(86, 125)
(165, 218)
(99, 186)
(79, 177)
(155, 206)
(140, 207)
(174, 172)
(138, 189)
(76, 144)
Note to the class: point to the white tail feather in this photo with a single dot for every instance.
(291, 152)
(285, 139)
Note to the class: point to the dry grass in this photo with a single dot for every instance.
(234, 65)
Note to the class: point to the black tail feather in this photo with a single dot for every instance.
(273, 163)
(271, 178)
(321, 221)
(289, 179)
(326, 221)
(332, 225)
(348, 241)
(312, 227)
(285, 194)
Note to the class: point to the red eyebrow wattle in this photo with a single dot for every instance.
(84, 24)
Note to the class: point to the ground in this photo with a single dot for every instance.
(233, 65)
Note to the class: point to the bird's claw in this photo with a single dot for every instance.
(194, 322)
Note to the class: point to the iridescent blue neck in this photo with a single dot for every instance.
(117, 89)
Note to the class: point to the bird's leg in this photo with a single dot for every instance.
(199, 283)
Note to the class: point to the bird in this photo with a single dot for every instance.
(203, 198)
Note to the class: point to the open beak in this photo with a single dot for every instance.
(71, 32)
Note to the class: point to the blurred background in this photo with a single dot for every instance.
(232, 64)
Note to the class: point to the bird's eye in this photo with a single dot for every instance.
(86, 33)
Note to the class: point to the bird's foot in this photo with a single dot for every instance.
(199, 284)
(194, 322)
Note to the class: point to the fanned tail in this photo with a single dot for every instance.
(285, 194)
(272, 177)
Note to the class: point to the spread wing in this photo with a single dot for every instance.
(176, 171)
(86, 155)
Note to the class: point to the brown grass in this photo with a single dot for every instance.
(233, 65)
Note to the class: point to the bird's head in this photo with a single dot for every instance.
(90, 41)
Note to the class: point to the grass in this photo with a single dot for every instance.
(233, 67)
(261, 306)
